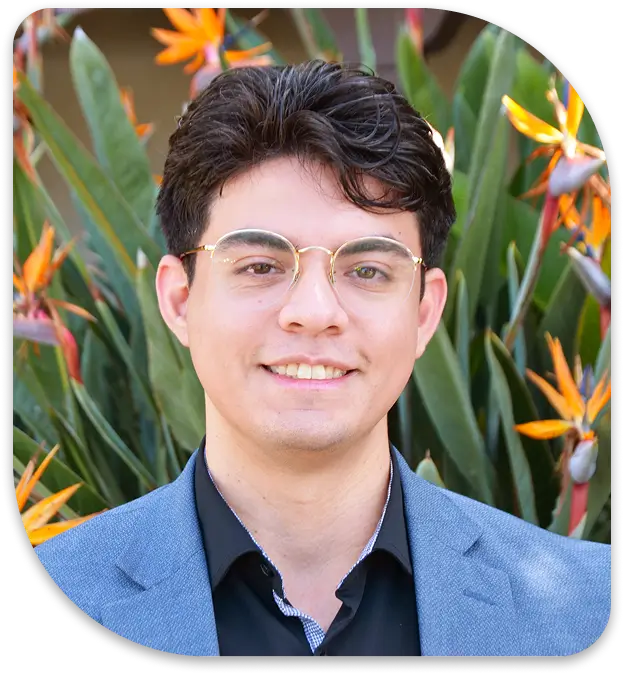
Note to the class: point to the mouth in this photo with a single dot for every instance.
(304, 371)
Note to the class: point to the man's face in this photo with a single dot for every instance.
(233, 343)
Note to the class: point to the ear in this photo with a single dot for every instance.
(173, 292)
(431, 307)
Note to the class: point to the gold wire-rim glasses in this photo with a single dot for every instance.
(211, 247)
(297, 251)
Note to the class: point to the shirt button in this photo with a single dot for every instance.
(266, 570)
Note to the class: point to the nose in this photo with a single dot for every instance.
(312, 305)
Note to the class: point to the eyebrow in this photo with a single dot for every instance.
(260, 236)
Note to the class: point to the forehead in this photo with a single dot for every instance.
(306, 205)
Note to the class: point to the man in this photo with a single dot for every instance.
(305, 209)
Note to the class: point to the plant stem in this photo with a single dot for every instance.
(531, 275)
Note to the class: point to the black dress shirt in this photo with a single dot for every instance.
(378, 614)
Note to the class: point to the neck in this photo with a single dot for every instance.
(312, 512)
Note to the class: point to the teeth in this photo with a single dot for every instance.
(303, 371)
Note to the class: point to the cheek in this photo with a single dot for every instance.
(220, 335)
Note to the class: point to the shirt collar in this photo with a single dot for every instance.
(226, 539)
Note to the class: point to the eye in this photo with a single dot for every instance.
(260, 269)
(368, 273)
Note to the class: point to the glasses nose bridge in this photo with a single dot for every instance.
(330, 253)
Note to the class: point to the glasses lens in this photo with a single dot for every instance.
(373, 270)
(254, 266)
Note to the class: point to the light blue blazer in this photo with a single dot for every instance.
(486, 583)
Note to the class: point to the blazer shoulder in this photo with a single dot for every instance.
(561, 586)
(81, 561)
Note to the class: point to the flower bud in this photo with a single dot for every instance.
(583, 461)
(570, 174)
(591, 275)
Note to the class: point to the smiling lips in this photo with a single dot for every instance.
(304, 371)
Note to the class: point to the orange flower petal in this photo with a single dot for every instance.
(569, 212)
(169, 37)
(39, 514)
(181, 51)
(530, 125)
(184, 21)
(242, 55)
(544, 429)
(213, 25)
(36, 265)
(557, 401)
(75, 309)
(127, 100)
(195, 64)
(19, 284)
(144, 130)
(599, 398)
(46, 532)
(21, 489)
(565, 381)
(39, 472)
(575, 111)
(601, 224)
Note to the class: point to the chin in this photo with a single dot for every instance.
(306, 435)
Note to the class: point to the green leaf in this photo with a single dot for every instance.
(561, 513)
(418, 84)
(513, 284)
(473, 75)
(518, 461)
(45, 377)
(537, 452)
(499, 82)
(31, 413)
(603, 361)
(27, 225)
(405, 423)
(464, 121)
(125, 353)
(365, 41)
(427, 469)
(472, 251)
(439, 379)
(600, 483)
(117, 146)
(316, 34)
(562, 314)
(462, 327)
(58, 476)
(111, 438)
(169, 362)
(123, 231)
(588, 333)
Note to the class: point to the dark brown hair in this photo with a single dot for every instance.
(342, 116)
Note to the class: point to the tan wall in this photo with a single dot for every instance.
(160, 91)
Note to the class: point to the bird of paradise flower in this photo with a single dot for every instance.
(36, 518)
(579, 401)
(35, 313)
(200, 35)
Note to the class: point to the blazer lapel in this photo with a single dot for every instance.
(171, 606)
(465, 607)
